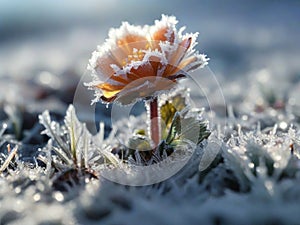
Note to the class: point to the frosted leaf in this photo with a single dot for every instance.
(110, 158)
(210, 153)
(261, 157)
(53, 130)
(82, 152)
(239, 166)
(72, 142)
(77, 134)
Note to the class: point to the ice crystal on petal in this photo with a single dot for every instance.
(132, 53)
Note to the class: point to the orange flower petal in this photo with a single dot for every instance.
(169, 70)
(155, 65)
(132, 76)
(103, 65)
(109, 87)
(119, 79)
(184, 63)
(161, 35)
(109, 91)
(186, 43)
(131, 41)
(181, 50)
(144, 70)
(144, 88)
(110, 94)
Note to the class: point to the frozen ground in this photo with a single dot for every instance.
(246, 173)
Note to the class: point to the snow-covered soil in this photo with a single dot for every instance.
(247, 172)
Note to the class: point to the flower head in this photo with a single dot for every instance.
(138, 62)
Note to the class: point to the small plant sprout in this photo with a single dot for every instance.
(74, 155)
(143, 63)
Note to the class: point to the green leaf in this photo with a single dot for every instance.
(140, 132)
(167, 112)
(175, 125)
(140, 143)
(194, 130)
(174, 129)
(165, 148)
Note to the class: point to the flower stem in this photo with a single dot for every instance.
(154, 121)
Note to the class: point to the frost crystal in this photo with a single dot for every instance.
(76, 156)
(134, 55)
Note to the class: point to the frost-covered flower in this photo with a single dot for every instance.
(138, 62)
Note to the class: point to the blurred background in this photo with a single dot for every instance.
(45, 45)
(254, 51)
